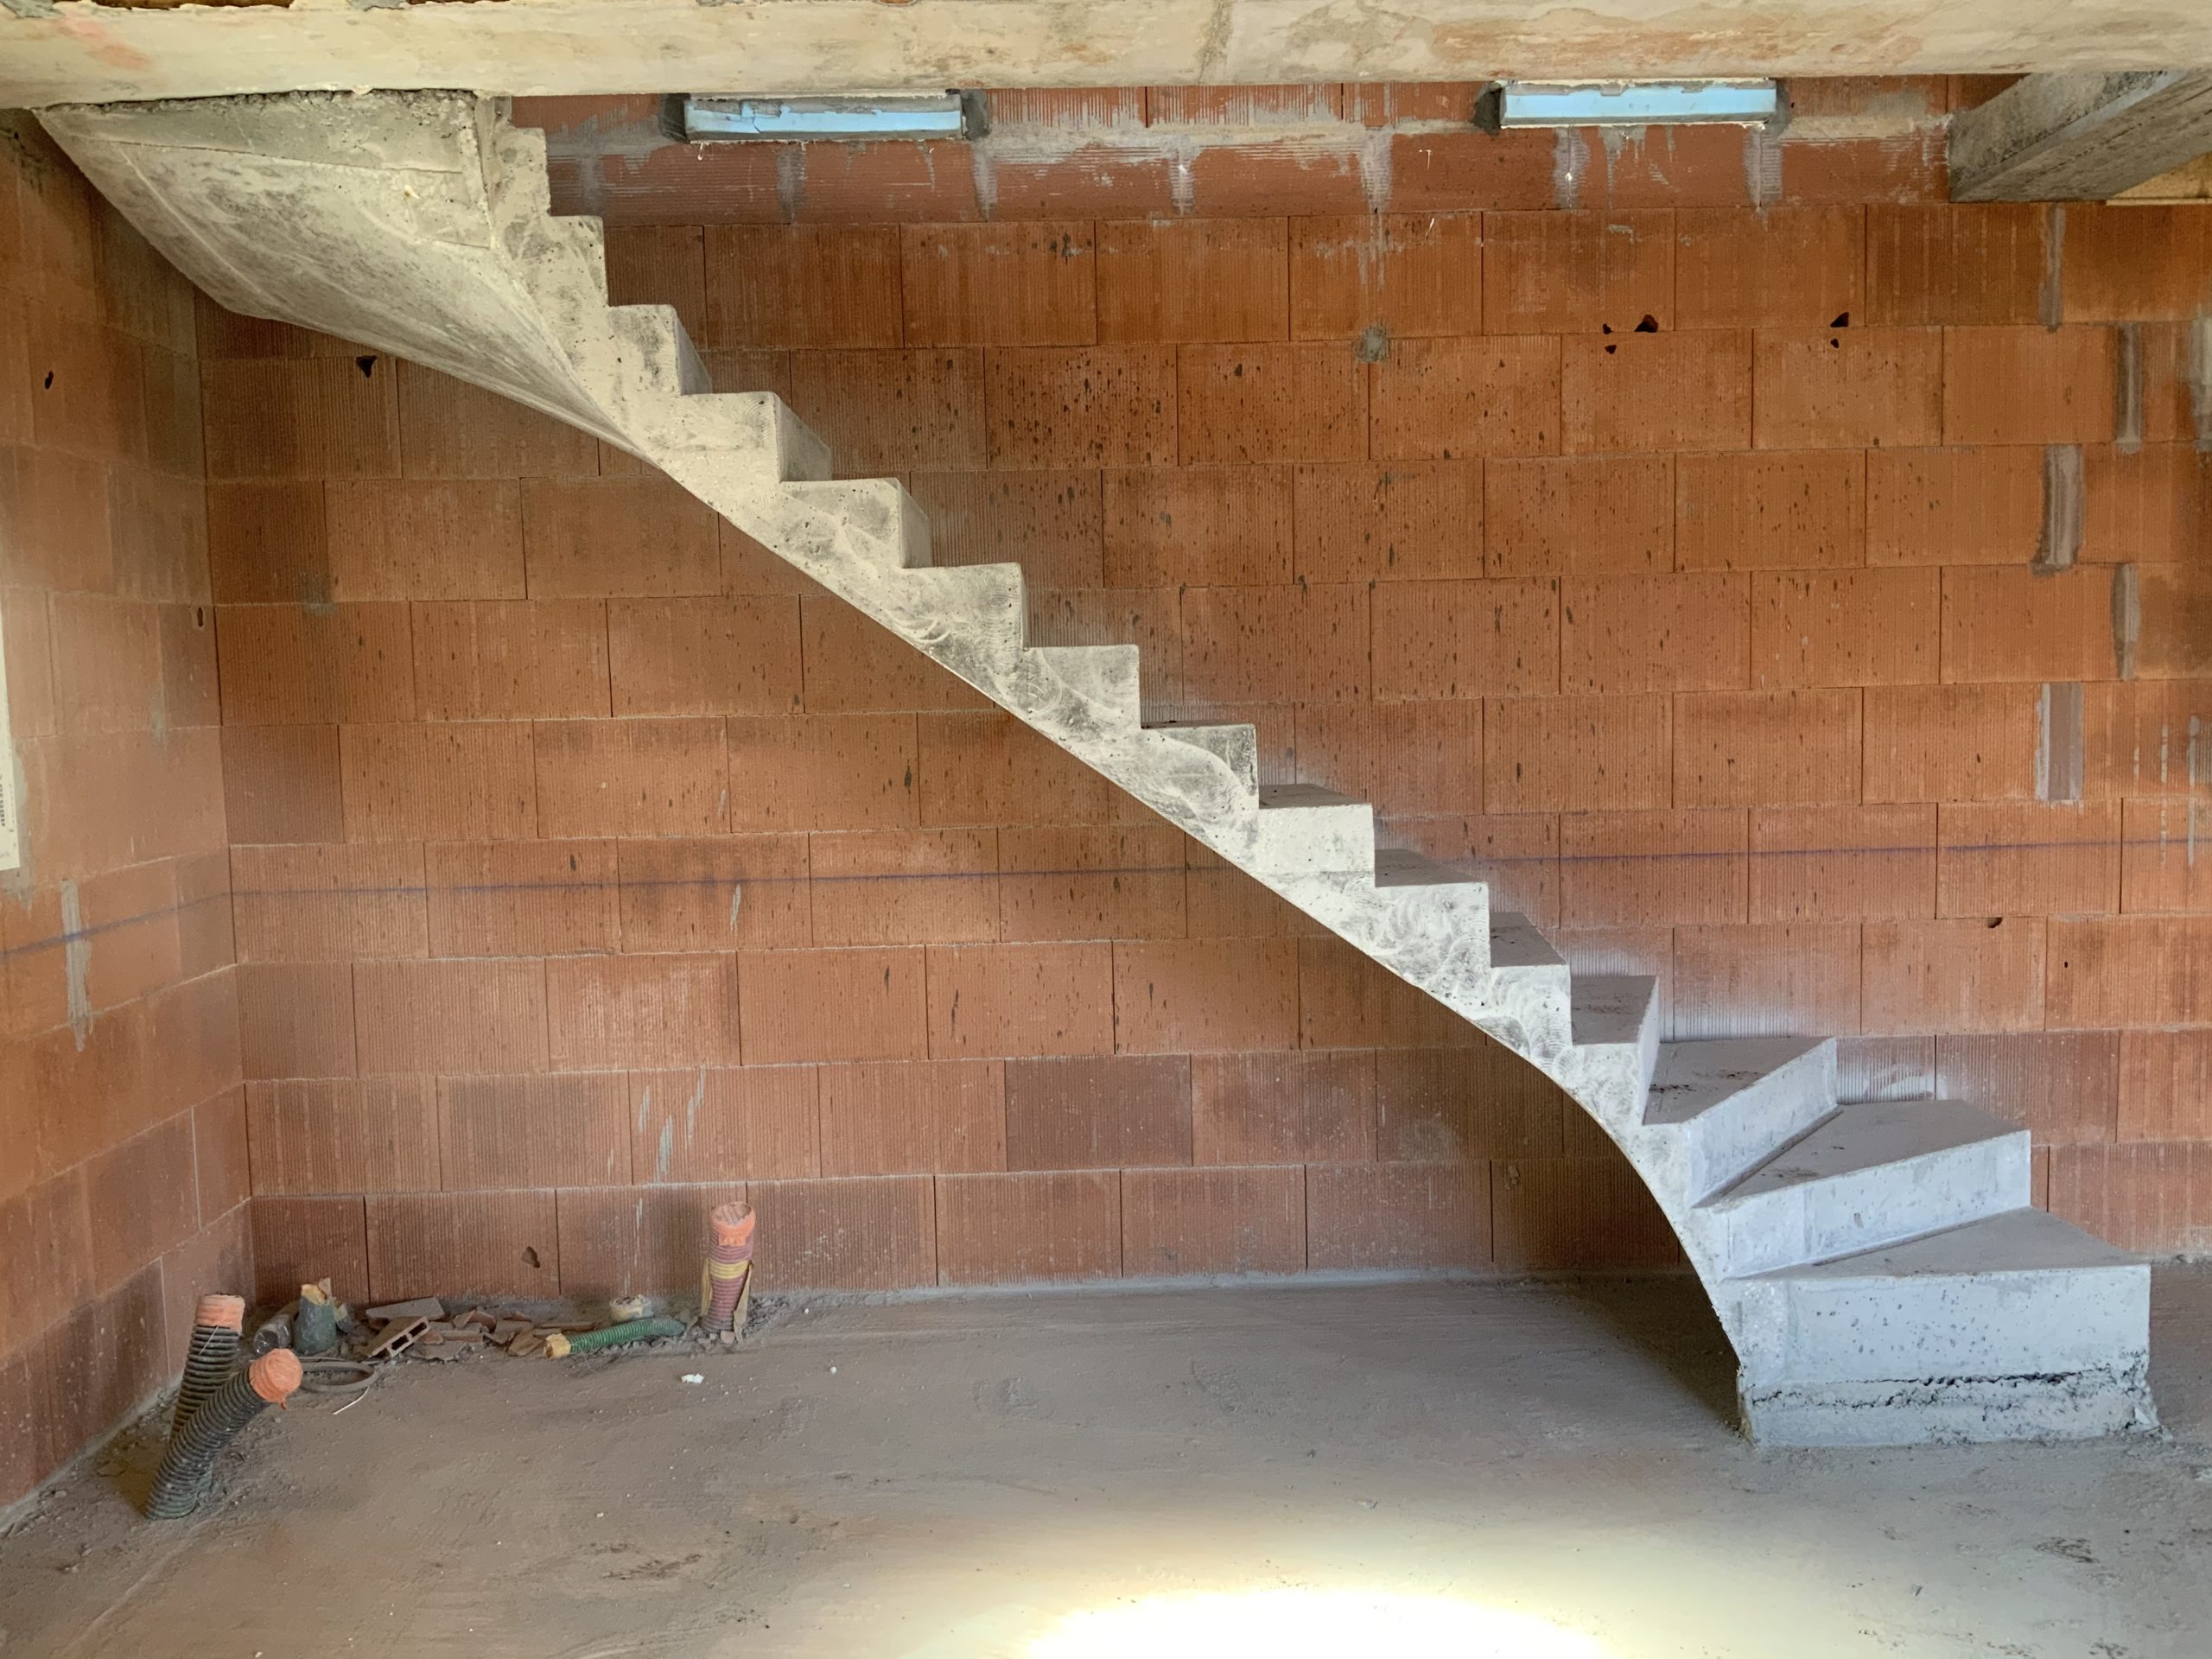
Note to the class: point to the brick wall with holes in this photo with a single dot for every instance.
(123, 1157)
(1772, 579)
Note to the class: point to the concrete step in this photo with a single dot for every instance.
(1532, 983)
(879, 520)
(569, 254)
(963, 610)
(690, 414)
(1430, 923)
(1517, 942)
(2016, 1325)
(1396, 866)
(1105, 674)
(801, 452)
(528, 180)
(1305, 829)
(1614, 1007)
(669, 362)
(1867, 1175)
(754, 430)
(1731, 1102)
(1613, 1024)
(1235, 746)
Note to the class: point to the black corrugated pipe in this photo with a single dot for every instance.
(208, 1356)
(188, 1469)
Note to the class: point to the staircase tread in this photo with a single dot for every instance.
(1870, 1135)
(1001, 570)
(2013, 1241)
(1610, 1007)
(744, 399)
(890, 486)
(1124, 660)
(1197, 732)
(1693, 1077)
(1301, 798)
(1396, 866)
(1517, 942)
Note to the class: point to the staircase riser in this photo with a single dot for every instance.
(875, 519)
(1315, 841)
(708, 436)
(695, 379)
(798, 453)
(653, 354)
(1900, 1329)
(1820, 1220)
(1516, 941)
(1435, 937)
(1613, 1057)
(973, 619)
(2068, 1406)
(1740, 1133)
(1106, 676)
(747, 439)
(1236, 748)
(668, 363)
(1608, 1080)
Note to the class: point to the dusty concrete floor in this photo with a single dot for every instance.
(1531, 1471)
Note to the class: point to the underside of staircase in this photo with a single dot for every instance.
(1878, 1266)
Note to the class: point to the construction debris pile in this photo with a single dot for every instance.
(318, 1345)
(424, 1329)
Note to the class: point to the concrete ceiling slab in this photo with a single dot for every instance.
(81, 52)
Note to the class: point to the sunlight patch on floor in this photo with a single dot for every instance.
(1303, 1623)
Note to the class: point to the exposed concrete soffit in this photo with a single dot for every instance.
(76, 51)
(2190, 182)
(2080, 137)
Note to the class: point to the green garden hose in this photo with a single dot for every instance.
(614, 1336)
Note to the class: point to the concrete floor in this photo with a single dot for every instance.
(1528, 1471)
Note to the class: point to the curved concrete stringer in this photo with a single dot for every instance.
(1877, 1267)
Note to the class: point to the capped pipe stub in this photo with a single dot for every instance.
(276, 1374)
(226, 1313)
(732, 1222)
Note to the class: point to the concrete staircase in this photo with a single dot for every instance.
(1877, 1265)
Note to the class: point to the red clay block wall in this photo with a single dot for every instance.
(122, 1156)
(1674, 562)
(590, 867)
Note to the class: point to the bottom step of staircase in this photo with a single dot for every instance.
(2018, 1326)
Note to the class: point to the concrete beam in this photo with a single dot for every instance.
(74, 51)
(2190, 182)
(2080, 137)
